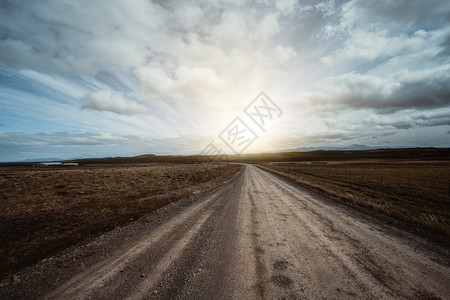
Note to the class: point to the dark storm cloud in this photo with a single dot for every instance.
(420, 90)
(421, 94)
(426, 93)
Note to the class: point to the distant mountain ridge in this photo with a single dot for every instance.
(153, 157)
(48, 159)
(353, 147)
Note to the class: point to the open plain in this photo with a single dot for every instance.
(257, 237)
(44, 210)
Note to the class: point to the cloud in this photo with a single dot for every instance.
(107, 100)
(64, 139)
(284, 54)
(411, 120)
(185, 83)
(371, 32)
(321, 138)
(212, 53)
(20, 54)
(427, 89)
(16, 146)
(285, 6)
(397, 14)
(196, 64)
(47, 37)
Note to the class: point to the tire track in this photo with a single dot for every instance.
(106, 277)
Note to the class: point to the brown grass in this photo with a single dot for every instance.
(417, 193)
(45, 210)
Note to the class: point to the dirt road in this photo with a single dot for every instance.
(261, 237)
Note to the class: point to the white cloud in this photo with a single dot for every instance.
(372, 32)
(107, 100)
(364, 46)
(269, 26)
(187, 51)
(286, 6)
(328, 8)
(56, 82)
(185, 83)
(284, 54)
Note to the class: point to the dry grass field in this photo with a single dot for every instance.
(47, 209)
(414, 192)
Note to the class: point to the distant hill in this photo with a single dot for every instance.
(354, 147)
(48, 159)
(353, 152)
(397, 153)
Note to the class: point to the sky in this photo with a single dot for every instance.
(122, 78)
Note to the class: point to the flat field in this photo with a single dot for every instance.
(415, 192)
(46, 209)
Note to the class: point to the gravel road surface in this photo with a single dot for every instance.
(261, 237)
